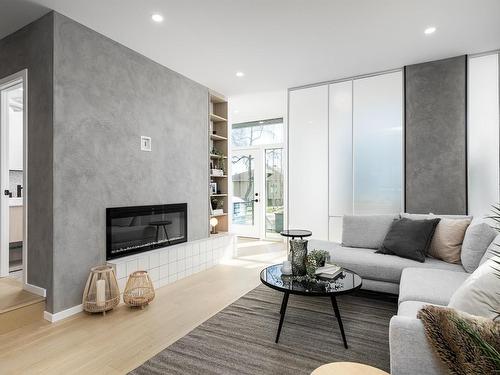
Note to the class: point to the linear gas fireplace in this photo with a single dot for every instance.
(132, 230)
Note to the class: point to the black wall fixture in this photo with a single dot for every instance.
(436, 137)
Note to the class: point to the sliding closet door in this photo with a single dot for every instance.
(340, 156)
(378, 144)
(308, 160)
(483, 134)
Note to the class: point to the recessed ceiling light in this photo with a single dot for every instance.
(157, 17)
(240, 74)
(430, 30)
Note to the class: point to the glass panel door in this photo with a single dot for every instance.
(246, 200)
(274, 192)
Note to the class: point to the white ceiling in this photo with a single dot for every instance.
(279, 43)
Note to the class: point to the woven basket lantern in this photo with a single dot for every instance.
(101, 291)
(139, 290)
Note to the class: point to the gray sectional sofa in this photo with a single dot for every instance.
(417, 284)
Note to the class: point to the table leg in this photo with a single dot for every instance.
(284, 303)
(339, 319)
(166, 234)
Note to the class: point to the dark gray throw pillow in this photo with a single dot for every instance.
(409, 238)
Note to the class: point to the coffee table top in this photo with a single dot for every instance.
(347, 282)
(296, 233)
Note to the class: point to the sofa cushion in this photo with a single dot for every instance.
(409, 238)
(477, 239)
(366, 231)
(430, 285)
(432, 216)
(480, 293)
(373, 266)
(411, 308)
(492, 250)
(447, 241)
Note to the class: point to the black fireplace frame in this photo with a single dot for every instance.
(117, 212)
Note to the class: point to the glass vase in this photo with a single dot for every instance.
(298, 252)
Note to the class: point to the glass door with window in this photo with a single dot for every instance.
(274, 210)
(246, 202)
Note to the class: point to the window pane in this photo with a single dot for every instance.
(377, 144)
(257, 133)
(274, 191)
(242, 176)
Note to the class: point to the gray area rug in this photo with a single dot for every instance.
(240, 338)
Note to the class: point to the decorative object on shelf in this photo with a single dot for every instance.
(213, 224)
(101, 292)
(298, 251)
(139, 291)
(213, 188)
(217, 172)
(217, 205)
(286, 269)
(320, 256)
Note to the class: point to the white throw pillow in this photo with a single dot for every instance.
(480, 294)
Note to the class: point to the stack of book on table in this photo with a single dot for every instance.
(329, 271)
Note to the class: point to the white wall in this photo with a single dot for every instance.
(257, 106)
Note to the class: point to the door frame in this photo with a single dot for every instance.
(6, 82)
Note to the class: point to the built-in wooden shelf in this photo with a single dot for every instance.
(216, 118)
(214, 156)
(216, 137)
(224, 214)
(217, 99)
(218, 142)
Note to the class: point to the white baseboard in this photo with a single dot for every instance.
(35, 290)
(62, 314)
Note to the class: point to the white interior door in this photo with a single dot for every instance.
(308, 161)
(246, 203)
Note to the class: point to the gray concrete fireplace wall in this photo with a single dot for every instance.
(32, 48)
(106, 97)
(436, 151)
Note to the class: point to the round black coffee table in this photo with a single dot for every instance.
(294, 233)
(347, 282)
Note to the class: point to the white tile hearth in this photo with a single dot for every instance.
(169, 264)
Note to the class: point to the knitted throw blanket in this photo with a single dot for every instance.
(451, 334)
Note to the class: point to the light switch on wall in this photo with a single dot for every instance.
(145, 143)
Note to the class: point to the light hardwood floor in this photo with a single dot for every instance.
(125, 338)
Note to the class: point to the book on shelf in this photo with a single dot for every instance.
(329, 271)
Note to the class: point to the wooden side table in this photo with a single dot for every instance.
(347, 368)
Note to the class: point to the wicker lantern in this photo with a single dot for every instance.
(139, 290)
(101, 292)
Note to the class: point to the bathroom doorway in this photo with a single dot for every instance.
(13, 162)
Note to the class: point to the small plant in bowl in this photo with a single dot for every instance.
(320, 256)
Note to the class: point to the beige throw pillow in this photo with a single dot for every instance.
(447, 241)
(480, 293)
